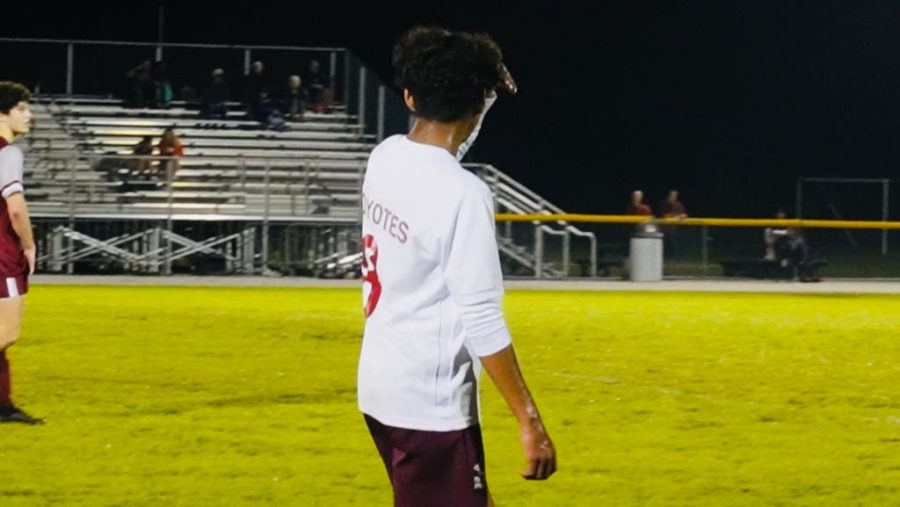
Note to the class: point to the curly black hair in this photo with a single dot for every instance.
(447, 73)
(11, 94)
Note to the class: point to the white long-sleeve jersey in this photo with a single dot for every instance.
(432, 288)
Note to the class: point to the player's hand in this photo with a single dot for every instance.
(506, 80)
(540, 455)
(30, 255)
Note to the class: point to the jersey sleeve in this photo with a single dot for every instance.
(473, 276)
(464, 147)
(11, 169)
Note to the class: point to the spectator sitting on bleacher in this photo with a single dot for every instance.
(217, 95)
(254, 83)
(266, 112)
(143, 149)
(318, 88)
(295, 99)
(141, 86)
(163, 88)
(169, 146)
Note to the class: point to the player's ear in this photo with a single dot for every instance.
(409, 100)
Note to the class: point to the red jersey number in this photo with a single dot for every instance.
(371, 285)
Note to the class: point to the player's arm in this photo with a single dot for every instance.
(473, 276)
(506, 83)
(11, 189)
(540, 455)
(21, 223)
(464, 147)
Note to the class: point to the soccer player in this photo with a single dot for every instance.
(17, 250)
(432, 287)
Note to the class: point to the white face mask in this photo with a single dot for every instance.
(464, 147)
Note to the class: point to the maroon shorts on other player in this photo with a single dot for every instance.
(13, 286)
(433, 468)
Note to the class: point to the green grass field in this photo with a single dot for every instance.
(221, 397)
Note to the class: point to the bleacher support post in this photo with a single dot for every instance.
(345, 92)
(361, 114)
(170, 200)
(332, 67)
(70, 263)
(70, 68)
(249, 250)
(55, 263)
(286, 245)
(265, 226)
(153, 243)
(306, 209)
(538, 250)
(313, 250)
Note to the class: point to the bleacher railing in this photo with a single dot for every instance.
(152, 198)
(270, 188)
(99, 67)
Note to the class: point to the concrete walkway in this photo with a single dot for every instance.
(837, 286)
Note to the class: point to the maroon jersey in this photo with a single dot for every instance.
(640, 209)
(12, 258)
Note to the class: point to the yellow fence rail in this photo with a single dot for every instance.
(710, 222)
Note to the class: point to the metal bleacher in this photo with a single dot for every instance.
(81, 147)
(236, 182)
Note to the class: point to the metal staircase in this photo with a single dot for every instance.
(512, 197)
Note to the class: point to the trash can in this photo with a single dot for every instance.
(646, 256)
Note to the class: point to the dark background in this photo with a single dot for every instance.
(727, 101)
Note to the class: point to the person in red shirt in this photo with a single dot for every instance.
(17, 248)
(671, 208)
(169, 146)
(637, 206)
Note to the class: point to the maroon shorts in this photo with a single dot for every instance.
(433, 468)
(13, 286)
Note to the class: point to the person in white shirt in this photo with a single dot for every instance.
(432, 285)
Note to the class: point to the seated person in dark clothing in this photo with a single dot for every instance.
(266, 112)
(142, 88)
(214, 104)
(144, 148)
(789, 248)
(163, 87)
(318, 88)
(254, 83)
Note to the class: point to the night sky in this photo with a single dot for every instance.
(727, 101)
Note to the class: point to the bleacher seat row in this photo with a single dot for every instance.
(79, 160)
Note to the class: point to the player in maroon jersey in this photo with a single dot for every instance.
(17, 249)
